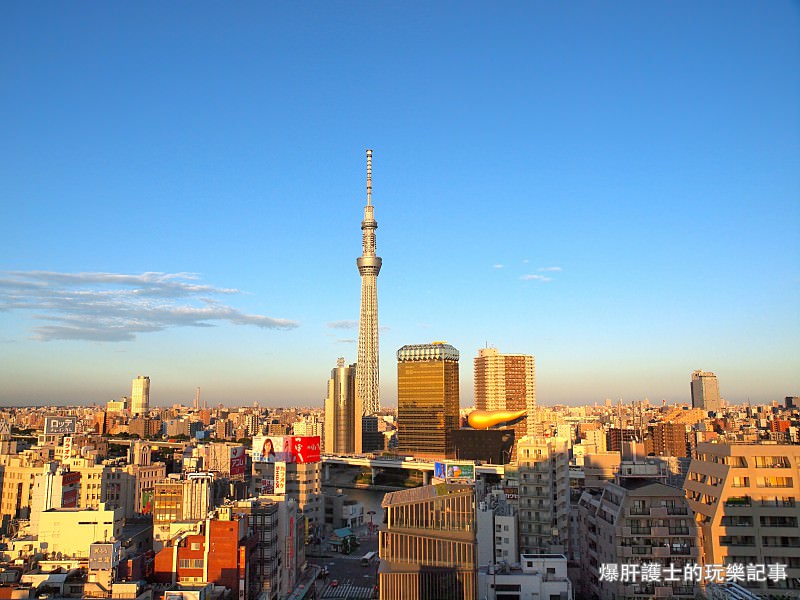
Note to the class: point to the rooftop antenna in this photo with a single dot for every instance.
(369, 177)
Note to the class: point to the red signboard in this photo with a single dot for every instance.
(70, 478)
(305, 449)
(70, 499)
(237, 460)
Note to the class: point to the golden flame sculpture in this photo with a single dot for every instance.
(484, 419)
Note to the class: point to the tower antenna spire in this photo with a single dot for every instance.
(369, 177)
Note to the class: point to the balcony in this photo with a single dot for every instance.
(678, 531)
(677, 510)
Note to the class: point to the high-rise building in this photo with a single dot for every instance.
(667, 439)
(543, 466)
(343, 412)
(428, 549)
(745, 496)
(705, 391)
(140, 396)
(427, 399)
(506, 382)
(636, 521)
(369, 265)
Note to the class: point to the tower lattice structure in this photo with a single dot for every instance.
(369, 265)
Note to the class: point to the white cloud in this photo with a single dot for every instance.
(498, 266)
(550, 269)
(115, 307)
(342, 325)
(541, 278)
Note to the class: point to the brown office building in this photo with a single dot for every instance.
(429, 547)
(427, 399)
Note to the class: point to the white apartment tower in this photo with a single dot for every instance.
(543, 494)
(369, 265)
(140, 396)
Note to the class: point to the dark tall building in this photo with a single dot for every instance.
(427, 399)
(493, 446)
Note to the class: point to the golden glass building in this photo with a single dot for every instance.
(427, 399)
(428, 549)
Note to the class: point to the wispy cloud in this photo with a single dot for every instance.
(550, 269)
(115, 307)
(541, 278)
(497, 266)
(346, 341)
(342, 325)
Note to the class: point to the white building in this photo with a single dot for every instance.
(534, 576)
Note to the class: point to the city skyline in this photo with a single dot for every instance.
(612, 189)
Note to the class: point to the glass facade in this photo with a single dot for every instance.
(427, 400)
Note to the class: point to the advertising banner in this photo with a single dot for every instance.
(280, 477)
(59, 425)
(270, 449)
(454, 472)
(286, 448)
(267, 487)
(66, 443)
(305, 449)
(104, 556)
(462, 471)
(512, 493)
(147, 502)
(71, 478)
(237, 461)
(69, 499)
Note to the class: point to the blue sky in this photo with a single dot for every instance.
(612, 187)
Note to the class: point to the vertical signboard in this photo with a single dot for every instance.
(280, 477)
(66, 443)
(237, 459)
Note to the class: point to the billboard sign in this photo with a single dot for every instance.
(305, 449)
(286, 448)
(237, 461)
(267, 487)
(147, 502)
(512, 493)
(454, 472)
(59, 425)
(69, 498)
(280, 478)
(103, 556)
(66, 443)
(270, 449)
(71, 478)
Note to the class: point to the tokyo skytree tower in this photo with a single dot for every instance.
(369, 266)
